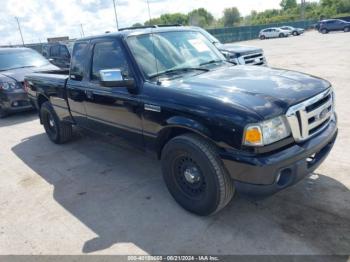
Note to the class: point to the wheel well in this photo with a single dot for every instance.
(169, 133)
(41, 99)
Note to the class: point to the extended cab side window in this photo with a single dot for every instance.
(64, 52)
(77, 62)
(54, 51)
(108, 55)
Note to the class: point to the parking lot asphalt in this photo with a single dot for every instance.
(92, 196)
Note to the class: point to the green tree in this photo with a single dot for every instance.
(288, 4)
(137, 25)
(154, 21)
(231, 16)
(169, 19)
(200, 17)
(176, 18)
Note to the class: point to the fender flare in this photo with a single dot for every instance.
(183, 124)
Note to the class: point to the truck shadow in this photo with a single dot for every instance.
(119, 194)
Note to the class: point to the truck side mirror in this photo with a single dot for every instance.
(114, 78)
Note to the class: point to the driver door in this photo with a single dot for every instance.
(112, 111)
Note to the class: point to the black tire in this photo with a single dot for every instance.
(59, 132)
(3, 114)
(347, 29)
(295, 33)
(209, 187)
(281, 35)
(262, 37)
(324, 31)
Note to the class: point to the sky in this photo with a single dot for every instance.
(40, 19)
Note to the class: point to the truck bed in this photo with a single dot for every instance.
(51, 86)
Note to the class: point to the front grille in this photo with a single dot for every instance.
(254, 59)
(311, 116)
(20, 103)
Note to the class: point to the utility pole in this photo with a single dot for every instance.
(149, 12)
(82, 30)
(20, 31)
(115, 13)
(303, 9)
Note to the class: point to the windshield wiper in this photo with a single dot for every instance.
(179, 70)
(13, 68)
(211, 62)
(24, 66)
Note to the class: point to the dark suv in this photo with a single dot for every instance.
(329, 25)
(58, 54)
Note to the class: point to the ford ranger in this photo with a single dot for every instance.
(216, 127)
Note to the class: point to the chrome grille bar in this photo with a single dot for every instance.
(253, 59)
(305, 124)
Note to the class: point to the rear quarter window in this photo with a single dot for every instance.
(77, 63)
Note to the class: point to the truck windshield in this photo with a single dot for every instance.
(172, 51)
(20, 59)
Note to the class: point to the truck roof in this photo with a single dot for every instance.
(139, 31)
(13, 49)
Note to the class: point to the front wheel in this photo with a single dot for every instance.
(262, 37)
(281, 35)
(347, 29)
(59, 132)
(295, 33)
(195, 176)
(324, 31)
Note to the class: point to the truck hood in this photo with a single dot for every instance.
(239, 49)
(268, 92)
(19, 73)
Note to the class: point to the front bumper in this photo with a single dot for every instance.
(270, 173)
(15, 101)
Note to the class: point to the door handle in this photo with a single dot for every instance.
(89, 94)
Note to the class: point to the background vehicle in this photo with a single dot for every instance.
(273, 32)
(58, 54)
(330, 25)
(15, 63)
(216, 127)
(237, 54)
(294, 31)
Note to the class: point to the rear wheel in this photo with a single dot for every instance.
(59, 132)
(281, 35)
(324, 31)
(347, 29)
(195, 176)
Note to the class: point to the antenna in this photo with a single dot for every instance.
(152, 38)
(303, 2)
(19, 28)
(115, 13)
(149, 11)
(82, 30)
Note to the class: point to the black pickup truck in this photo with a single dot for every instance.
(216, 127)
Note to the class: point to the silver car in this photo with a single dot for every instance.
(273, 32)
(294, 31)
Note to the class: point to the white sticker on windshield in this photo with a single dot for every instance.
(199, 45)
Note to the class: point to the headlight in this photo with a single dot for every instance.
(266, 132)
(8, 85)
(233, 58)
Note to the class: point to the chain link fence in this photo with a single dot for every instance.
(242, 33)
